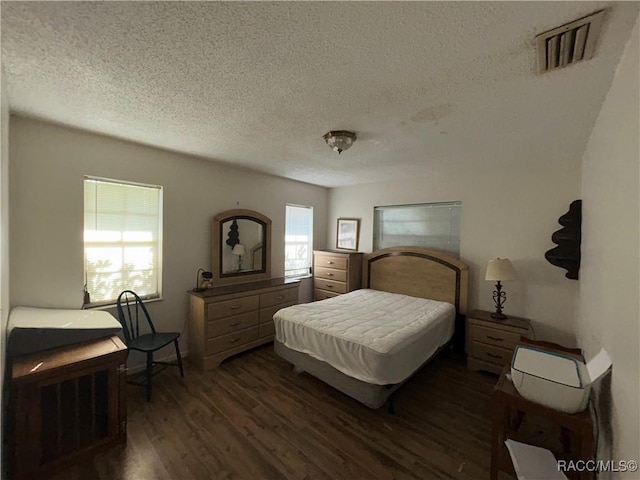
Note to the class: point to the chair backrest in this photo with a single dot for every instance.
(131, 311)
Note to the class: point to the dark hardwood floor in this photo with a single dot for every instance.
(254, 418)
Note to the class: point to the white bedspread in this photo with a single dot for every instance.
(377, 337)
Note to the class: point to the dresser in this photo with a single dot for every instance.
(490, 342)
(227, 320)
(335, 273)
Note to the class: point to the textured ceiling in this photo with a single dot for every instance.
(257, 84)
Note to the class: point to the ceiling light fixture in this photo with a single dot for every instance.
(339, 140)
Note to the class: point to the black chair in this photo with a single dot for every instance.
(132, 312)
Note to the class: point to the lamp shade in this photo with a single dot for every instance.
(238, 249)
(500, 269)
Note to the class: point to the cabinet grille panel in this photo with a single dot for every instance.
(74, 414)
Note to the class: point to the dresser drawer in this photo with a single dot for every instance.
(278, 297)
(330, 274)
(266, 329)
(489, 353)
(323, 294)
(330, 285)
(232, 307)
(331, 261)
(494, 336)
(231, 340)
(266, 314)
(231, 324)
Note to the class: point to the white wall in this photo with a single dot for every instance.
(4, 236)
(46, 193)
(508, 213)
(608, 308)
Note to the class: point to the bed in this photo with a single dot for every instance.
(369, 342)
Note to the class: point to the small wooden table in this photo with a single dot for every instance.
(577, 429)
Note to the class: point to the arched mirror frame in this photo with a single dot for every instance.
(218, 244)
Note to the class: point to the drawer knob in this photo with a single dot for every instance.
(234, 324)
(235, 307)
(329, 274)
(330, 262)
(497, 339)
(279, 297)
(329, 286)
(493, 355)
(234, 340)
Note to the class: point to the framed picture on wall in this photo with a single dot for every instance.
(347, 233)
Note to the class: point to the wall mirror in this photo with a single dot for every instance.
(241, 247)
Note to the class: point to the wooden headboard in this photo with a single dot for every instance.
(419, 272)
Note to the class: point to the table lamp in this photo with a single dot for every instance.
(203, 278)
(239, 251)
(499, 269)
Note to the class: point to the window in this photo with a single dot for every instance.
(298, 243)
(433, 225)
(122, 239)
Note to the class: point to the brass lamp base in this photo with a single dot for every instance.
(499, 297)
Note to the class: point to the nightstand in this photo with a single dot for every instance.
(490, 342)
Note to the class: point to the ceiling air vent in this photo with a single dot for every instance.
(568, 44)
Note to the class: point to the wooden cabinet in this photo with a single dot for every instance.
(65, 403)
(490, 342)
(227, 320)
(335, 273)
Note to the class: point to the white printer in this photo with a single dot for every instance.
(556, 379)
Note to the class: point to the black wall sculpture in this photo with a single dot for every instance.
(233, 235)
(567, 254)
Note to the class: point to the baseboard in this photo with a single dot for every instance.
(133, 370)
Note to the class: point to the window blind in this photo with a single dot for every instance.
(122, 239)
(432, 225)
(298, 240)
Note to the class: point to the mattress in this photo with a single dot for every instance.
(373, 336)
